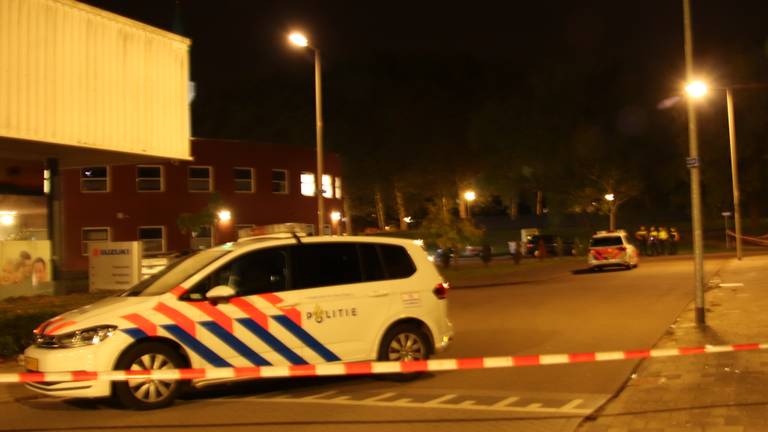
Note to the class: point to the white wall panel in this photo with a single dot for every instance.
(75, 75)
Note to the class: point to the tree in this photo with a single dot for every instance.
(190, 223)
(603, 194)
(442, 228)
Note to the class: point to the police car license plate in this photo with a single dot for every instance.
(31, 364)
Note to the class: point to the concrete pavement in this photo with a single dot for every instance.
(709, 393)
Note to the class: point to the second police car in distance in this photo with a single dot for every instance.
(274, 300)
(612, 249)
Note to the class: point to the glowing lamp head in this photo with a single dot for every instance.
(7, 218)
(298, 39)
(609, 197)
(335, 216)
(224, 215)
(696, 89)
(470, 195)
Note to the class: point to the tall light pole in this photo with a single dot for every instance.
(469, 196)
(611, 198)
(298, 39)
(697, 90)
(693, 164)
(734, 170)
(335, 219)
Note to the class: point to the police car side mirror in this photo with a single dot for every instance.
(220, 293)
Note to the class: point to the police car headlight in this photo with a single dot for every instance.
(78, 338)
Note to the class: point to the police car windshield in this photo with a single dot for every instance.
(605, 241)
(175, 273)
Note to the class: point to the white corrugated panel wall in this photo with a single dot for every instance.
(73, 74)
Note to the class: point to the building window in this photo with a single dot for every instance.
(202, 238)
(149, 178)
(307, 183)
(327, 186)
(199, 179)
(244, 179)
(337, 185)
(88, 235)
(94, 179)
(279, 181)
(152, 239)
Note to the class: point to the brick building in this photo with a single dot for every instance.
(258, 184)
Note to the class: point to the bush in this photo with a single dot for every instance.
(16, 331)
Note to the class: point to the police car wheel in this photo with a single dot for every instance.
(145, 394)
(405, 342)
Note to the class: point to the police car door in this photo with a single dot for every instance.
(339, 308)
(254, 327)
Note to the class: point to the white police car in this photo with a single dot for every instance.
(264, 301)
(612, 249)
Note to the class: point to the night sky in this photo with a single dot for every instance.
(583, 77)
(626, 48)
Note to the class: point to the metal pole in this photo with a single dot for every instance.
(319, 139)
(693, 144)
(612, 217)
(734, 170)
(53, 204)
(727, 240)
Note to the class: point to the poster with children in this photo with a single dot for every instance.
(25, 268)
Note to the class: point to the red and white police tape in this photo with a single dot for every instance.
(759, 240)
(371, 368)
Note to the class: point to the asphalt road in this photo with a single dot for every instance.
(550, 309)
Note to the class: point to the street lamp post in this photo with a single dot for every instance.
(734, 170)
(697, 90)
(469, 196)
(727, 239)
(611, 198)
(693, 163)
(335, 219)
(300, 40)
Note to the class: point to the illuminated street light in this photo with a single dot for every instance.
(224, 215)
(609, 197)
(7, 218)
(335, 216)
(298, 39)
(696, 89)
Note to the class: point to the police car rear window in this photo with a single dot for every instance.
(373, 270)
(327, 264)
(605, 241)
(324, 264)
(397, 262)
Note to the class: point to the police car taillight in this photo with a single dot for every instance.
(441, 290)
